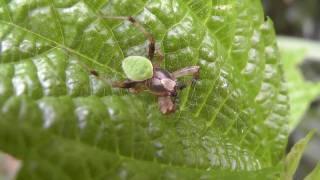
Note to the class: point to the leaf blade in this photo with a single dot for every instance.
(233, 119)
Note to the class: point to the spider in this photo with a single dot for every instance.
(145, 74)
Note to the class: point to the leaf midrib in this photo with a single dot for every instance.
(61, 46)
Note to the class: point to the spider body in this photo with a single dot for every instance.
(145, 74)
(162, 83)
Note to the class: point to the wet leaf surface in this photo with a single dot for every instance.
(61, 120)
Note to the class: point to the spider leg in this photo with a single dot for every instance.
(166, 104)
(151, 46)
(160, 58)
(94, 73)
(133, 86)
(125, 84)
(191, 70)
(181, 85)
(187, 71)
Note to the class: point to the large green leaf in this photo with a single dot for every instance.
(64, 122)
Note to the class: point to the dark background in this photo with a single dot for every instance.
(301, 18)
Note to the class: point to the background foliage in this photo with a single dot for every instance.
(302, 90)
(301, 19)
(301, 62)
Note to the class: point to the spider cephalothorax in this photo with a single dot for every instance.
(145, 74)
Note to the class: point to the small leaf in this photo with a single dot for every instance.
(293, 158)
(315, 174)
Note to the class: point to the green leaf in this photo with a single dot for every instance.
(293, 158)
(301, 92)
(64, 122)
(315, 174)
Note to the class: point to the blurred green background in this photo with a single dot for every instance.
(297, 23)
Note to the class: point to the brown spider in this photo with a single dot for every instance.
(163, 84)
